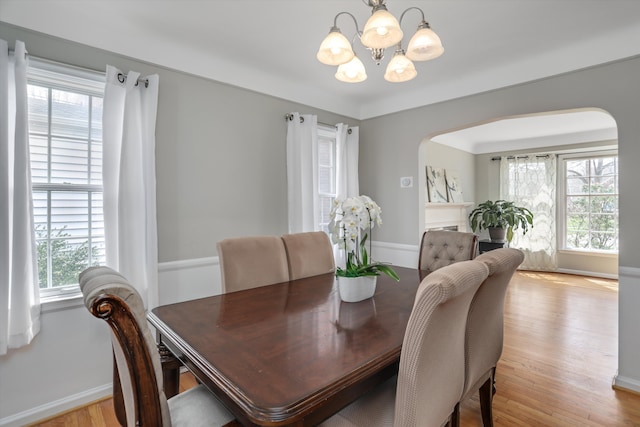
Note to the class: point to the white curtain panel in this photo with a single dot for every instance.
(19, 291)
(347, 147)
(129, 179)
(302, 172)
(530, 182)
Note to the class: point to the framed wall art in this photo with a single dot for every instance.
(436, 185)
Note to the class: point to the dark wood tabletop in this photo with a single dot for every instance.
(290, 353)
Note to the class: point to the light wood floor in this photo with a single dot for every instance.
(558, 363)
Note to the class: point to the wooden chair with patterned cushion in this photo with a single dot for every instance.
(308, 254)
(250, 262)
(431, 374)
(485, 329)
(110, 297)
(439, 248)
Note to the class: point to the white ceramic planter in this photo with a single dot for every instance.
(354, 289)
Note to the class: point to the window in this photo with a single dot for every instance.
(591, 202)
(65, 138)
(326, 173)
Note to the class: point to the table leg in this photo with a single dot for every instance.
(170, 371)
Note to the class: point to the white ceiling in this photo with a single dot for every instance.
(270, 45)
(534, 131)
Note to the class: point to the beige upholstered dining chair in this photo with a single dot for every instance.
(109, 296)
(431, 375)
(485, 328)
(308, 254)
(250, 262)
(439, 248)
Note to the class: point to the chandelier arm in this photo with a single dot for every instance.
(335, 21)
(408, 9)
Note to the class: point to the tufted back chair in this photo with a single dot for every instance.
(440, 248)
(309, 254)
(250, 262)
(110, 297)
(431, 373)
(485, 327)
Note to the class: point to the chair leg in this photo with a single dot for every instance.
(455, 416)
(486, 398)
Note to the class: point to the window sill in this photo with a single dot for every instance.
(588, 253)
(55, 303)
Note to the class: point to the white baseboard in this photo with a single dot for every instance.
(56, 407)
(588, 273)
(626, 383)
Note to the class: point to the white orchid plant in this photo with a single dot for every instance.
(352, 220)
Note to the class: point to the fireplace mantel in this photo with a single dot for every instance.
(446, 215)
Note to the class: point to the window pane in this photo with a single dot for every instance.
(96, 119)
(604, 204)
(69, 114)
(592, 203)
(39, 153)
(69, 161)
(577, 204)
(603, 184)
(38, 105)
(578, 167)
(604, 241)
(577, 239)
(65, 138)
(578, 185)
(69, 214)
(68, 258)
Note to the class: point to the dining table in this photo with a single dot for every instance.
(291, 353)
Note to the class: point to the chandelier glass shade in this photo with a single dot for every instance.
(382, 30)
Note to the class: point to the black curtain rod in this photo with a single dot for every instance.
(290, 117)
(123, 78)
(540, 156)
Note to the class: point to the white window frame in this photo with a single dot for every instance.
(54, 75)
(562, 201)
(327, 133)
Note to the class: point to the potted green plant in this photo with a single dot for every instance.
(351, 222)
(501, 218)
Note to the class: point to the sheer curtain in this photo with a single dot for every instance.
(302, 172)
(347, 147)
(530, 182)
(129, 179)
(19, 291)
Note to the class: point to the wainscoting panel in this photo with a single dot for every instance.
(188, 279)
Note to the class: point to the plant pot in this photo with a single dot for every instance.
(497, 234)
(355, 289)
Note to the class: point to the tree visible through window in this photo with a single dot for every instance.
(65, 138)
(591, 190)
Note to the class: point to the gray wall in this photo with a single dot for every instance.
(390, 144)
(220, 151)
(221, 172)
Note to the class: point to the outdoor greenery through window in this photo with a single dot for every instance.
(65, 138)
(326, 173)
(591, 191)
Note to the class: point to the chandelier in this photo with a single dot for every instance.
(381, 31)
